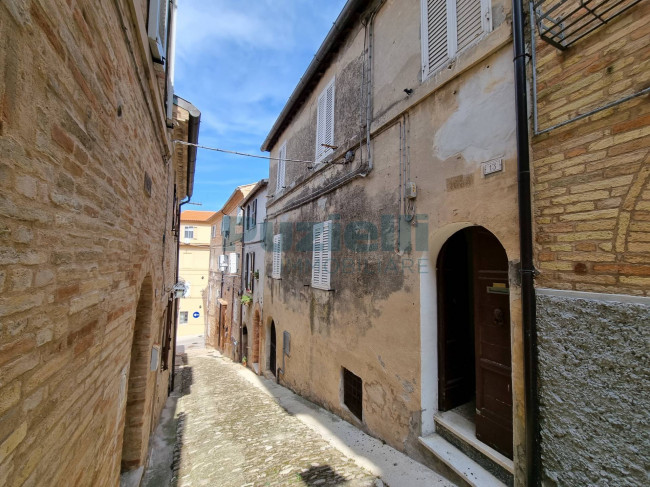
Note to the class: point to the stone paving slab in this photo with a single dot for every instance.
(229, 433)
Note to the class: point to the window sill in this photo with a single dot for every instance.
(464, 61)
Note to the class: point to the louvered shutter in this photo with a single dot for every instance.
(157, 28)
(326, 255)
(281, 168)
(325, 122)
(436, 31)
(316, 255)
(233, 263)
(468, 18)
(321, 255)
(277, 256)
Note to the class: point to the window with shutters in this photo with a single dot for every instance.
(282, 169)
(277, 256)
(321, 255)
(448, 27)
(232, 263)
(325, 123)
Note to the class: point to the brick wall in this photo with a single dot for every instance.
(80, 126)
(592, 177)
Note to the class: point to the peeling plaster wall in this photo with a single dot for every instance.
(593, 377)
(371, 321)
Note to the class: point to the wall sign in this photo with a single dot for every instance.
(196, 314)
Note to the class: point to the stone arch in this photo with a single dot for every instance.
(429, 372)
(136, 418)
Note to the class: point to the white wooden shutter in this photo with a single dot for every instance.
(233, 263)
(469, 25)
(434, 32)
(316, 255)
(325, 122)
(321, 255)
(282, 156)
(277, 256)
(157, 28)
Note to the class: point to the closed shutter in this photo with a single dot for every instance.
(321, 255)
(281, 168)
(254, 214)
(233, 263)
(448, 26)
(469, 26)
(436, 51)
(277, 256)
(316, 255)
(325, 122)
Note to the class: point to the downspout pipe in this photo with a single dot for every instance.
(526, 249)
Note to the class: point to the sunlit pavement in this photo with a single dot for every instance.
(234, 428)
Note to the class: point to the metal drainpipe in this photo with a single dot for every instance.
(526, 247)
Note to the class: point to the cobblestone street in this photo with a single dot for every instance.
(231, 431)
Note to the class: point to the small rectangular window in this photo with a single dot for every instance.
(353, 393)
(214, 231)
(183, 317)
(277, 256)
(282, 156)
(189, 232)
(325, 122)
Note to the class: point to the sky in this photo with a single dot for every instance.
(238, 62)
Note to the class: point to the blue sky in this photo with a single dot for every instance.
(238, 62)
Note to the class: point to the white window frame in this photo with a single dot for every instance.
(281, 175)
(214, 231)
(325, 131)
(182, 321)
(452, 34)
(232, 262)
(321, 255)
(276, 272)
(190, 229)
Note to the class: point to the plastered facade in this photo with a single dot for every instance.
(194, 264)
(379, 318)
(88, 252)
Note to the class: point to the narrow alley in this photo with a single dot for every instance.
(225, 426)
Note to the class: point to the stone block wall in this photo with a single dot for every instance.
(81, 130)
(593, 387)
(592, 177)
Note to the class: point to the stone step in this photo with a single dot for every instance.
(468, 469)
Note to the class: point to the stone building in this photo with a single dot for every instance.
(90, 184)
(592, 242)
(397, 249)
(193, 269)
(224, 290)
(253, 254)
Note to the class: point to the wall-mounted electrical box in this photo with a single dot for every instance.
(286, 343)
(411, 190)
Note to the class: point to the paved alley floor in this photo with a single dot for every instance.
(234, 428)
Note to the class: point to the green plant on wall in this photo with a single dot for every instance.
(256, 275)
(246, 299)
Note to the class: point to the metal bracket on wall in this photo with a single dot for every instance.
(563, 31)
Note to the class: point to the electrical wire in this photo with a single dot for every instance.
(182, 142)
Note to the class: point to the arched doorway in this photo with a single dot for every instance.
(474, 357)
(136, 419)
(272, 349)
(244, 343)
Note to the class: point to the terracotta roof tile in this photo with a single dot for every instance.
(196, 216)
